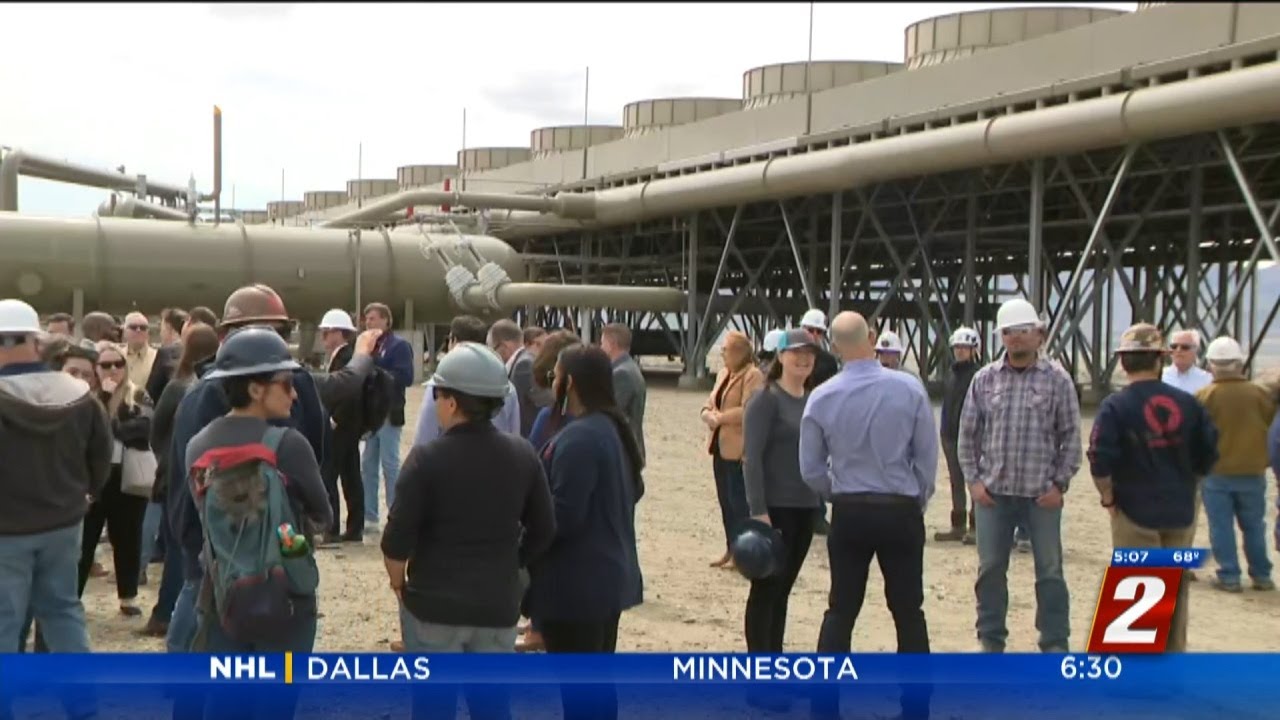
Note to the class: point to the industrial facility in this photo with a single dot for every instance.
(1103, 164)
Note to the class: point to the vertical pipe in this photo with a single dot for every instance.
(584, 313)
(1195, 225)
(692, 363)
(1099, 360)
(808, 91)
(1035, 271)
(836, 272)
(462, 171)
(77, 312)
(586, 121)
(970, 250)
(217, 165)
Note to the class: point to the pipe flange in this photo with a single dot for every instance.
(458, 279)
(492, 277)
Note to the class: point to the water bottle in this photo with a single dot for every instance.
(292, 543)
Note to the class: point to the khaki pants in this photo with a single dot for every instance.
(1126, 533)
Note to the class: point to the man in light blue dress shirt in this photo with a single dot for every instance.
(868, 443)
(465, 328)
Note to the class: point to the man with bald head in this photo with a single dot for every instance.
(869, 444)
(98, 326)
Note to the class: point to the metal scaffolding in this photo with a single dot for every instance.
(1173, 230)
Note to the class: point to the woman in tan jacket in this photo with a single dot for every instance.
(722, 413)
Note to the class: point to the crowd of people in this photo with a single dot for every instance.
(517, 499)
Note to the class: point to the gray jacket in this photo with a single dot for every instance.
(629, 391)
(55, 451)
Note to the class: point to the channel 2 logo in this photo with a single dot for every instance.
(1135, 610)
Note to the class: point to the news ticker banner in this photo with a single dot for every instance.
(665, 685)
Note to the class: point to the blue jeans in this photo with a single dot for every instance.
(170, 578)
(150, 532)
(1230, 499)
(182, 624)
(39, 579)
(441, 701)
(381, 448)
(283, 702)
(731, 492)
(995, 530)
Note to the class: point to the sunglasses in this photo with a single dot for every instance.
(1179, 346)
(138, 328)
(1023, 330)
(112, 365)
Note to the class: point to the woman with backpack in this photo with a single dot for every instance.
(119, 507)
(591, 574)
(245, 453)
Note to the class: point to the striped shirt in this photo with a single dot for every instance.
(1020, 430)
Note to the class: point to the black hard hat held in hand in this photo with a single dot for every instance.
(254, 350)
(757, 549)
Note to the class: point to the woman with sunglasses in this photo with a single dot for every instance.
(129, 410)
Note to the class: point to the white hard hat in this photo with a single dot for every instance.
(815, 319)
(771, 340)
(888, 342)
(18, 318)
(964, 336)
(1016, 312)
(1224, 349)
(337, 319)
(473, 369)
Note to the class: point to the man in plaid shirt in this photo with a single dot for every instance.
(1019, 446)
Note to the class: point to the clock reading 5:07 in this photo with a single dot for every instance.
(1091, 667)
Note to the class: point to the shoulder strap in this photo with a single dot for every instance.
(272, 438)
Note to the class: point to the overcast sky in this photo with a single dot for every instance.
(301, 85)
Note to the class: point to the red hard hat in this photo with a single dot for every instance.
(253, 304)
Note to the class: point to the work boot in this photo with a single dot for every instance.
(153, 629)
(952, 535)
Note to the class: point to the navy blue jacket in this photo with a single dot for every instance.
(1154, 441)
(591, 573)
(395, 355)
(204, 403)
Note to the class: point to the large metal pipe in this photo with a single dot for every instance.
(566, 205)
(21, 162)
(122, 263)
(1226, 99)
(130, 207)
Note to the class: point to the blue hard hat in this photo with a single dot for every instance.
(757, 549)
(254, 350)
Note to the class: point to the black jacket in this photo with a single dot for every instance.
(825, 366)
(461, 503)
(55, 449)
(954, 392)
(162, 370)
(346, 412)
(162, 432)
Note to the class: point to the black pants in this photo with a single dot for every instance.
(961, 507)
(584, 702)
(122, 514)
(766, 617)
(344, 463)
(889, 528)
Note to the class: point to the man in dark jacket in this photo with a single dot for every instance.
(54, 431)
(172, 321)
(382, 449)
(1151, 443)
(964, 347)
(473, 507)
(337, 333)
(629, 389)
(205, 402)
(507, 339)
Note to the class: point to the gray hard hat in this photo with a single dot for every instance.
(255, 350)
(472, 369)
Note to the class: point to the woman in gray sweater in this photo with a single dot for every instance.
(776, 493)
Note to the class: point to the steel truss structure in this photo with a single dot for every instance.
(1172, 230)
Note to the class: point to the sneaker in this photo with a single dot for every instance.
(1218, 584)
(1264, 584)
(952, 535)
(129, 608)
(371, 527)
